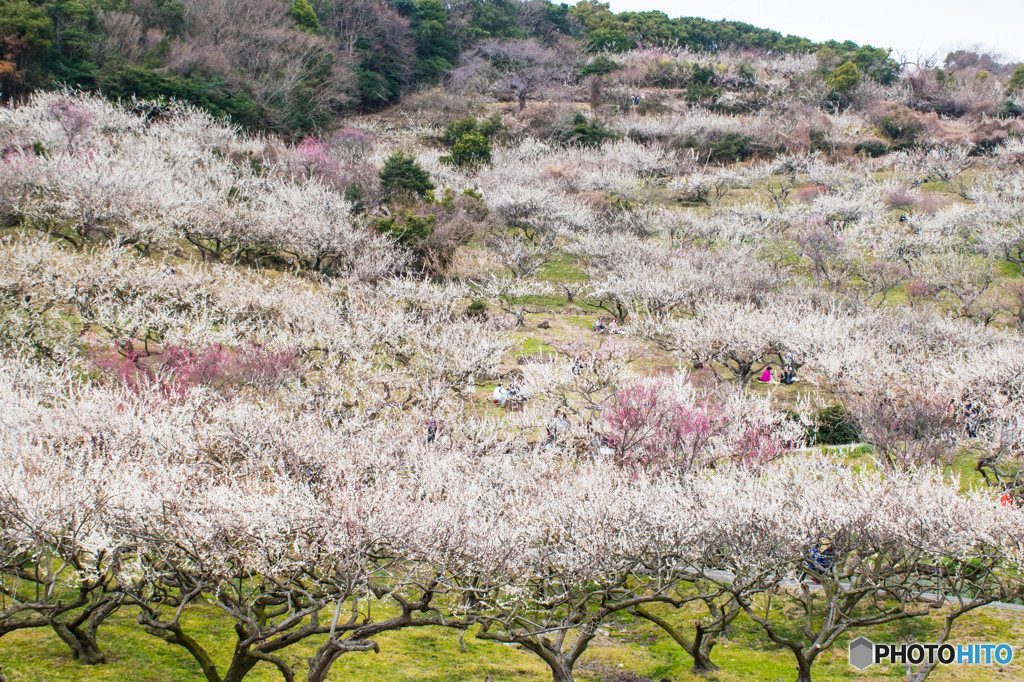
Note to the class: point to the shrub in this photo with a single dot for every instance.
(844, 78)
(355, 195)
(876, 64)
(653, 104)
(747, 76)
(436, 106)
(1010, 109)
(472, 150)
(406, 228)
(432, 231)
(872, 148)
(987, 136)
(729, 148)
(590, 133)
(599, 66)
(833, 425)
(304, 17)
(488, 127)
(403, 174)
(549, 121)
(492, 126)
(454, 131)
(818, 140)
(476, 309)
(701, 85)
(901, 128)
(667, 73)
(724, 148)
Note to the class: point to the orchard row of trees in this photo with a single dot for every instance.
(220, 352)
(313, 528)
(86, 172)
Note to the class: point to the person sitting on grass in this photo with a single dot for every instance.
(514, 395)
(766, 375)
(599, 326)
(558, 425)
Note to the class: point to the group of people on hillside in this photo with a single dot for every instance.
(599, 444)
(511, 395)
(558, 425)
(788, 375)
(609, 327)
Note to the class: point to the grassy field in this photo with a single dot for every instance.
(627, 650)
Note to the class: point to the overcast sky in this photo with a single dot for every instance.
(910, 26)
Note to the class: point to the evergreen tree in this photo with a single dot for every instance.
(402, 173)
(304, 16)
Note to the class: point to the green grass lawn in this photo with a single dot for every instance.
(563, 268)
(626, 649)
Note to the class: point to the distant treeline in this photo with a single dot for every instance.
(291, 66)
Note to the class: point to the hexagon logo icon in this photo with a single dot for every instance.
(862, 653)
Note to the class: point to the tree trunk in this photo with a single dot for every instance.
(803, 669)
(84, 647)
(560, 673)
(321, 664)
(702, 664)
(701, 652)
(241, 664)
